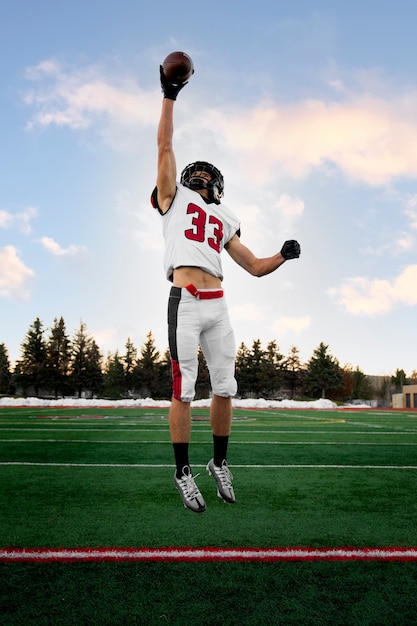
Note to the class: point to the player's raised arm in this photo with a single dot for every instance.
(167, 169)
(174, 71)
(261, 267)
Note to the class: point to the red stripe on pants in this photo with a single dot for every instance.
(176, 379)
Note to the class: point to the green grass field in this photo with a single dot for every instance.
(102, 478)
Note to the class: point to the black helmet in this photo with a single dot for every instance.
(215, 186)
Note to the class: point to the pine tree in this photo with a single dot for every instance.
(165, 374)
(293, 370)
(362, 388)
(5, 374)
(399, 380)
(271, 370)
(114, 378)
(243, 374)
(129, 362)
(85, 369)
(95, 378)
(347, 392)
(202, 387)
(147, 372)
(31, 371)
(323, 373)
(58, 355)
(256, 365)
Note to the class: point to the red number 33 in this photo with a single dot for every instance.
(198, 232)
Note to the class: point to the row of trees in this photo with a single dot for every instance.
(52, 364)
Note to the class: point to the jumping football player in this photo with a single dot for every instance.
(196, 228)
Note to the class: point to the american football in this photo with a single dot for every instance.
(178, 67)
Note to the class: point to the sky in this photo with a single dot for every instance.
(309, 109)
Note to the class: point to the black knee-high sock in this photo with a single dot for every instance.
(181, 457)
(220, 449)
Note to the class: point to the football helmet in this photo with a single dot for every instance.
(215, 186)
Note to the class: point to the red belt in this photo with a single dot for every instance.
(204, 295)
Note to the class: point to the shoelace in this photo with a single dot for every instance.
(188, 485)
(225, 475)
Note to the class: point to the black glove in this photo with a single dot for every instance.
(291, 249)
(170, 90)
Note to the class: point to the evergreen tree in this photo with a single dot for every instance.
(202, 387)
(95, 378)
(147, 371)
(58, 356)
(256, 365)
(362, 388)
(85, 369)
(243, 374)
(323, 373)
(78, 366)
(293, 371)
(31, 371)
(356, 385)
(5, 374)
(129, 362)
(114, 379)
(270, 375)
(165, 373)
(399, 380)
(347, 393)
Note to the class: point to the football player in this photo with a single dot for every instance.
(197, 226)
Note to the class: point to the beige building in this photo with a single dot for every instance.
(407, 399)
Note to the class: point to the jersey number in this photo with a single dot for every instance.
(198, 232)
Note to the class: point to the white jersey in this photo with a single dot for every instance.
(195, 232)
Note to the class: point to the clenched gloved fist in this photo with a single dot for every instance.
(291, 249)
(170, 90)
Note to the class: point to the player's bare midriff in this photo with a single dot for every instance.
(183, 276)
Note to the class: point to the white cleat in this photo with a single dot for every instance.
(223, 477)
(189, 492)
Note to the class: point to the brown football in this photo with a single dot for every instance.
(178, 67)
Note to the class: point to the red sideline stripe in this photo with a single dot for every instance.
(49, 555)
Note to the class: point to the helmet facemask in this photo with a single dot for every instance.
(215, 186)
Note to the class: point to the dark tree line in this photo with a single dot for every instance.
(53, 364)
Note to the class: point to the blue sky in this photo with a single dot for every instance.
(308, 108)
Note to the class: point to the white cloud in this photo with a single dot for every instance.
(14, 274)
(405, 241)
(292, 324)
(290, 206)
(248, 312)
(5, 219)
(81, 98)
(371, 139)
(411, 211)
(22, 220)
(377, 297)
(54, 248)
(146, 229)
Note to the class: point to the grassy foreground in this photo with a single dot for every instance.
(99, 478)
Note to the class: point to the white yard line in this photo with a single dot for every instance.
(247, 466)
(236, 443)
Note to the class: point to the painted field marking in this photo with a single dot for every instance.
(170, 465)
(208, 430)
(92, 430)
(48, 555)
(234, 443)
